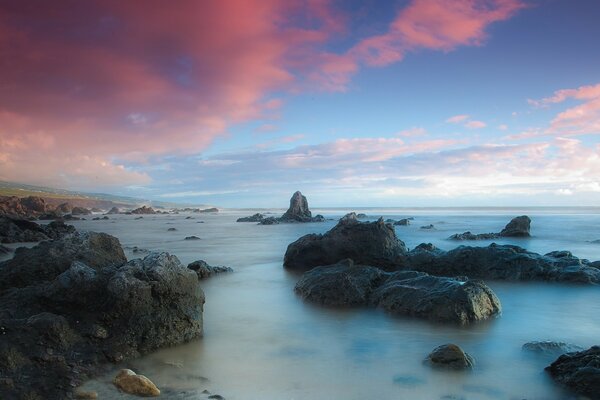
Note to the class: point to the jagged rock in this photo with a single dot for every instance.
(203, 270)
(114, 210)
(450, 356)
(368, 243)
(35, 204)
(132, 383)
(258, 217)
(403, 293)
(80, 211)
(144, 210)
(551, 348)
(517, 227)
(501, 262)
(579, 371)
(298, 210)
(26, 207)
(402, 222)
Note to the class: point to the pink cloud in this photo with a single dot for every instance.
(475, 124)
(458, 119)
(466, 121)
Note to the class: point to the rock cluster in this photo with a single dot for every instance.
(19, 230)
(517, 227)
(258, 217)
(26, 207)
(69, 305)
(143, 210)
(579, 371)
(297, 212)
(409, 293)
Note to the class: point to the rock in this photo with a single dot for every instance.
(192, 238)
(138, 218)
(551, 348)
(114, 210)
(269, 221)
(298, 210)
(517, 227)
(361, 216)
(189, 217)
(209, 210)
(501, 262)
(34, 204)
(16, 230)
(430, 226)
(64, 208)
(403, 293)
(129, 382)
(402, 222)
(4, 249)
(171, 229)
(82, 395)
(579, 371)
(80, 211)
(144, 210)
(203, 270)
(368, 243)
(450, 356)
(258, 217)
(27, 207)
(470, 236)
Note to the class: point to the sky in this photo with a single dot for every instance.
(239, 103)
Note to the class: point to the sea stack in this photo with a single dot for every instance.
(298, 210)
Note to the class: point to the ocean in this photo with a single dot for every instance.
(261, 341)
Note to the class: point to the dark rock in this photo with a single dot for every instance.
(430, 226)
(450, 356)
(64, 208)
(209, 210)
(70, 217)
(368, 243)
(551, 348)
(28, 207)
(192, 238)
(298, 210)
(361, 216)
(501, 262)
(470, 236)
(80, 211)
(189, 217)
(172, 229)
(579, 371)
(34, 204)
(113, 210)
(57, 229)
(517, 227)
(403, 293)
(4, 249)
(269, 221)
(144, 210)
(19, 230)
(402, 222)
(258, 217)
(203, 270)
(138, 218)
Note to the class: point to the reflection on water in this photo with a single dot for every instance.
(262, 342)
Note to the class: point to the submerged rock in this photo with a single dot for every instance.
(132, 383)
(258, 217)
(450, 356)
(471, 236)
(403, 293)
(368, 243)
(192, 238)
(428, 227)
(551, 348)
(579, 371)
(203, 270)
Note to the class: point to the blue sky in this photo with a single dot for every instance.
(361, 103)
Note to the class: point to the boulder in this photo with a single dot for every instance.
(203, 270)
(132, 383)
(144, 210)
(517, 227)
(34, 204)
(80, 211)
(361, 216)
(368, 243)
(450, 356)
(408, 293)
(171, 229)
(402, 222)
(579, 371)
(549, 348)
(258, 217)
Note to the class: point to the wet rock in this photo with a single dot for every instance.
(114, 210)
(450, 356)
(402, 222)
(138, 218)
(517, 227)
(551, 348)
(258, 217)
(428, 227)
(368, 243)
(80, 211)
(203, 270)
(143, 210)
(579, 371)
(269, 221)
(192, 238)
(129, 382)
(403, 293)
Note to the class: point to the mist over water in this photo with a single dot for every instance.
(263, 342)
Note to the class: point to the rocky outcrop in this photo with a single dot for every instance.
(80, 211)
(27, 207)
(209, 210)
(258, 217)
(18, 230)
(297, 212)
(144, 210)
(517, 227)
(579, 371)
(203, 270)
(368, 243)
(402, 222)
(69, 305)
(64, 208)
(549, 348)
(409, 293)
(502, 262)
(114, 210)
(450, 356)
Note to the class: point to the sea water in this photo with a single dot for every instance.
(261, 341)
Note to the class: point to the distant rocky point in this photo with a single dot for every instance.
(297, 212)
(143, 210)
(517, 227)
